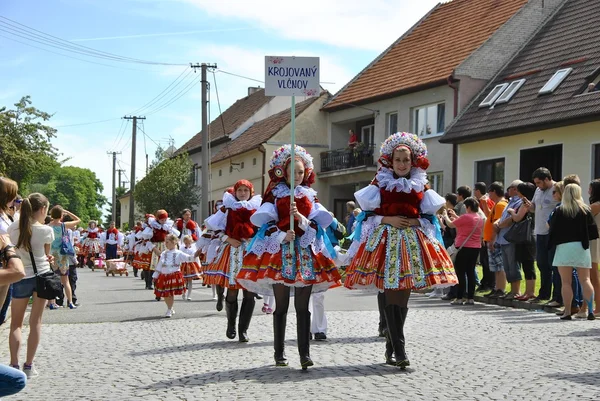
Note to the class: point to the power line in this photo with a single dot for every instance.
(88, 123)
(116, 140)
(121, 133)
(143, 132)
(240, 76)
(175, 98)
(164, 92)
(32, 34)
(221, 116)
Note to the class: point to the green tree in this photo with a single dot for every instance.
(26, 154)
(120, 191)
(168, 186)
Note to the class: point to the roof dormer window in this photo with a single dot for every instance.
(494, 94)
(558, 77)
(510, 91)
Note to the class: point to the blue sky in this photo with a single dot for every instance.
(234, 34)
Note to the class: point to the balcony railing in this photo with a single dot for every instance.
(341, 159)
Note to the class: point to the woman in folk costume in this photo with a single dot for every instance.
(397, 243)
(186, 226)
(271, 268)
(233, 221)
(91, 242)
(161, 226)
(143, 250)
(113, 241)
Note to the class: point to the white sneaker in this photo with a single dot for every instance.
(169, 313)
(214, 297)
(30, 371)
(173, 311)
(184, 296)
(188, 298)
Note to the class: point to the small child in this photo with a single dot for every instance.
(169, 280)
(190, 270)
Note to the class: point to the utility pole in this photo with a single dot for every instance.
(114, 188)
(119, 182)
(204, 197)
(132, 184)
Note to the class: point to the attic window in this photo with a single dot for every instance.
(510, 91)
(494, 94)
(555, 81)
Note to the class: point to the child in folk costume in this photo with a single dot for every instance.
(186, 226)
(397, 243)
(167, 272)
(113, 240)
(161, 226)
(271, 268)
(190, 270)
(233, 221)
(143, 251)
(208, 246)
(91, 242)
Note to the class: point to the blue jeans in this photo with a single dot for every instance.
(11, 380)
(544, 264)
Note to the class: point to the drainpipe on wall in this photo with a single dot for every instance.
(262, 150)
(451, 84)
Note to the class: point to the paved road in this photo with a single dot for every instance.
(117, 347)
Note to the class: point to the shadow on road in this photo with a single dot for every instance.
(270, 374)
(589, 378)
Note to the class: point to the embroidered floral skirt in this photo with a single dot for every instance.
(155, 258)
(91, 246)
(191, 270)
(227, 261)
(142, 260)
(168, 285)
(400, 259)
(304, 268)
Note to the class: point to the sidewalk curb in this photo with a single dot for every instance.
(513, 303)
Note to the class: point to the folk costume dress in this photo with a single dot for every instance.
(142, 248)
(269, 260)
(189, 227)
(159, 234)
(167, 273)
(384, 257)
(91, 243)
(113, 240)
(233, 222)
(191, 269)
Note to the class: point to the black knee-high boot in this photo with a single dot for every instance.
(394, 337)
(148, 279)
(303, 332)
(403, 313)
(245, 317)
(219, 290)
(279, 322)
(381, 307)
(231, 308)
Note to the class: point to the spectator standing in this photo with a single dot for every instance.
(542, 205)
(509, 250)
(8, 197)
(462, 193)
(32, 238)
(350, 206)
(486, 205)
(570, 233)
(594, 192)
(525, 251)
(496, 194)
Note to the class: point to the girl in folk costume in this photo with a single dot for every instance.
(186, 226)
(270, 267)
(113, 241)
(190, 270)
(161, 226)
(208, 246)
(397, 243)
(167, 272)
(91, 242)
(143, 251)
(233, 221)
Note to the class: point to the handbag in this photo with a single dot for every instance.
(66, 248)
(47, 285)
(521, 232)
(453, 251)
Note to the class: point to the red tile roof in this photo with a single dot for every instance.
(428, 53)
(233, 117)
(260, 132)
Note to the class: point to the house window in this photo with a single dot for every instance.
(195, 174)
(558, 77)
(368, 134)
(493, 95)
(230, 169)
(242, 165)
(510, 91)
(436, 181)
(596, 155)
(254, 161)
(489, 171)
(392, 123)
(430, 120)
(194, 215)
(220, 173)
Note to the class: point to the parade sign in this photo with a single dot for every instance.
(292, 76)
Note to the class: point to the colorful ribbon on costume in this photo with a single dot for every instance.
(322, 234)
(362, 216)
(436, 223)
(259, 235)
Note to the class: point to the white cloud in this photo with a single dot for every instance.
(371, 25)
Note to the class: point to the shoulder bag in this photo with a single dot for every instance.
(66, 248)
(453, 251)
(521, 232)
(47, 285)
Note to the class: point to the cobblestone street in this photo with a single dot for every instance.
(457, 353)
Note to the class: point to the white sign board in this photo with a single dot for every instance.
(292, 76)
